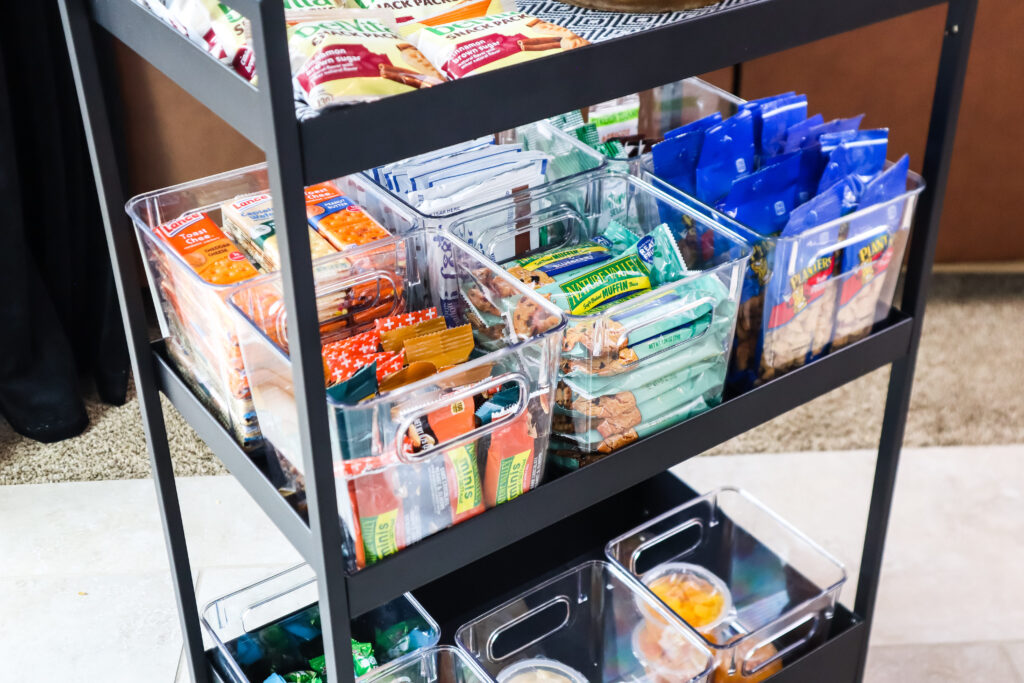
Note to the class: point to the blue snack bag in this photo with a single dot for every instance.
(776, 118)
(863, 156)
(675, 160)
(868, 285)
(762, 201)
(799, 132)
(834, 127)
(700, 124)
(727, 154)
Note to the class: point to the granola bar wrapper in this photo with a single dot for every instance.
(464, 48)
(349, 56)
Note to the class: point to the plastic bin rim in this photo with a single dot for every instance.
(915, 181)
(789, 528)
(432, 379)
(220, 645)
(600, 159)
(625, 578)
(662, 195)
(132, 205)
(394, 665)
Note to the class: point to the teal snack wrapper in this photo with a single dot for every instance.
(669, 264)
(355, 427)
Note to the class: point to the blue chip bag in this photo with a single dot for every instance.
(833, 127)
(799, 132)
(693, 126)
(675, 160)
(762, 201)
(776, 118)
(868, 284)
(863, 156)
(727, 154)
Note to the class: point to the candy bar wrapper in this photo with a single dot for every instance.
(394, 340)
(463, 48)
(383, 325)
(338, 219)
(612, 421)
(349, 56)
(444, 348)
(431, 12)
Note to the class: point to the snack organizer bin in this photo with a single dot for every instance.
(830, 304)
(388, 498)
(273, 626)
(193, 317)
(783, 586)
(571, 160)
(821, 290)
(587, 624)
(643, 364)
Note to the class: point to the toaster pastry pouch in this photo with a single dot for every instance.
(462, 48)
(349, 56)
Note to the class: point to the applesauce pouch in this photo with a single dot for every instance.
(463, 48)
(348, 56)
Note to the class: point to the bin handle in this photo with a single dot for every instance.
(683, 308)
(634, 557)
(529, 222)
(749, 670)
(496, 633)
(422, 410)
(828, 249)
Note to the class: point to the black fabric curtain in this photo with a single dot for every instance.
(60, 328)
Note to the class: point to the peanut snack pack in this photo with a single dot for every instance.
(463, 48)
(348, 56)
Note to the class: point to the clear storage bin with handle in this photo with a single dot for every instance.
(440, 449)
(193, 316)
(588, 624)
(771, 590)
(441, 664)
(569, 160)
(273, 626)
(629, 368)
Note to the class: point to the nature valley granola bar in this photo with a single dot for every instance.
(349, 56)
(462, 48)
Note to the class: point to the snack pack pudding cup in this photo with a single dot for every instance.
(540, 670)
(667, 655)
(681, 576)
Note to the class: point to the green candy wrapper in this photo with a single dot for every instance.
(302, 677)
(362, 657)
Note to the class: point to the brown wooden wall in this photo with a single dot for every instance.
(886, 71)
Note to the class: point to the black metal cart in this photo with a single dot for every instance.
(468, 567)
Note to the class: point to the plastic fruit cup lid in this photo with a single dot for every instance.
(686, 570)
(540, 670)
(667, 653)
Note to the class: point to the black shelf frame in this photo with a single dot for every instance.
(303, 152)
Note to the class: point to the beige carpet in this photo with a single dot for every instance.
(969, 390)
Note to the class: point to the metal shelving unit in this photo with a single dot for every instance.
(571, 517)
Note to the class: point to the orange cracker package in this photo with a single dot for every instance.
(464, 48)
(202, 245)
(346, 56)
(338, 219)
(431, 12)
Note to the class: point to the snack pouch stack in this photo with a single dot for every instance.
(650, 321)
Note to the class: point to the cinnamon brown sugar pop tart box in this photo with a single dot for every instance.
(462, 48)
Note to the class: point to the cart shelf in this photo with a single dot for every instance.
(446, 551)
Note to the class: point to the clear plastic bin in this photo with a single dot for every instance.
(388, 497)
(804, 296)
(194, 318)
(571, 159)
(273, 626)
(587, 624)
(644, 364)
(441, 664)
(783, 587)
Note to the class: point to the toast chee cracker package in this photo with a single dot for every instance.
(349, 56)
(207, 250)
(463, 48)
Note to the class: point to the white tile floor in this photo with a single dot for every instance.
(85, 594)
